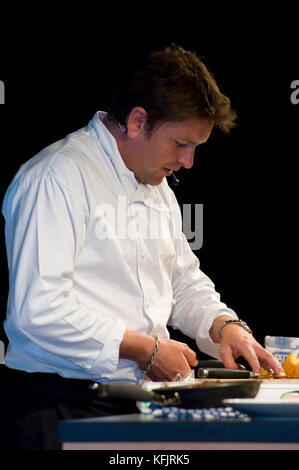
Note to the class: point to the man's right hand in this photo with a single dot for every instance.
(173, 357)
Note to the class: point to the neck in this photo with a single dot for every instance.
(119, 133)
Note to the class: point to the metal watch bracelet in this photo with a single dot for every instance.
(240, 322)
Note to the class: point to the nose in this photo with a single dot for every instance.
(186, 158)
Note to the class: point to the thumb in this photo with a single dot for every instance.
(190, 355)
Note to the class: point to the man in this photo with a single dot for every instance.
(97, 260)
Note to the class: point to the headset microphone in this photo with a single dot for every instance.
(175, 180)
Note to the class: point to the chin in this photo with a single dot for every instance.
(151, 180)
(155, 181)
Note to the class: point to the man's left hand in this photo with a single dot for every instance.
(235, 342)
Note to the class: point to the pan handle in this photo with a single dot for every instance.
(126, 391)
(129, 391)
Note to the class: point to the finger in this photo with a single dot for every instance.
(190, 355)
(269, 362)
(249, 353)
(227, 357)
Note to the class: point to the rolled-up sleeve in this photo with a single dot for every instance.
(45, 231)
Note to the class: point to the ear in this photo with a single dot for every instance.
(136, 121)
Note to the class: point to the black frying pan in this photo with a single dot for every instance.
(198, 395)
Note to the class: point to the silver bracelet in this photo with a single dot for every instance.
(152, 360)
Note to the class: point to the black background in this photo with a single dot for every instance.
(59, 71)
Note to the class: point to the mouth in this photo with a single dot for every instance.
(167, 171)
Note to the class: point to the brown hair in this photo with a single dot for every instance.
(172, 84)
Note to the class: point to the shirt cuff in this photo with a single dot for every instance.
(107, 360)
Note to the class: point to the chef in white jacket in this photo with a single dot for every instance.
(98, 262)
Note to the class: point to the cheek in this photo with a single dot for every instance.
(166, 154)
(160, 154)
(157, 156)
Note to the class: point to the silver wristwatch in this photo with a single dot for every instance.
(241, 323)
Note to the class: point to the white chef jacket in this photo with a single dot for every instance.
(88, 259)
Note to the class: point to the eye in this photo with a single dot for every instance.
(185, 145)
(180, 144)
